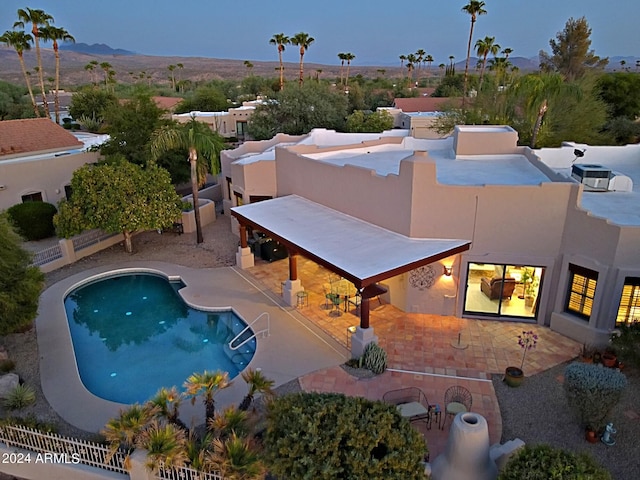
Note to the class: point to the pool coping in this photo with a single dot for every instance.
(294, 347)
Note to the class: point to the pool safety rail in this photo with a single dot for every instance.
(233, 345)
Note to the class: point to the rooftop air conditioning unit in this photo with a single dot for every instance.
(593, 177)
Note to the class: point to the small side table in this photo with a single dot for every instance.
(303, 299)
(435, 414)
(350, 331)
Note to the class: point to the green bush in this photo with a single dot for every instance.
(33, 220)
(30, 421)
(542, 462)
(592, 392)
(7, 365)
(20, 397)
(329, 436)
(627, 343)
(374, 358)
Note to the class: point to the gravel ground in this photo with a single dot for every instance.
(537, 412)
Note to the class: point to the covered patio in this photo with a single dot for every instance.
(360, 252)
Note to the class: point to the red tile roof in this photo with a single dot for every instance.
(422, 104)
(167, 103)
(34, 135)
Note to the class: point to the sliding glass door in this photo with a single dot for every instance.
(503, 290)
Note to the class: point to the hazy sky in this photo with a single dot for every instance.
(376, 31)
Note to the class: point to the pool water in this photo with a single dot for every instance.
(132, 334)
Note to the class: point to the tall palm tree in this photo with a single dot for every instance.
(53, 34)
(304, 41)
(348, 56)
(429, 60)
(202, 144)
(207, 384)
(37, 18)
(420, 53)
(172, 69)
(343, 57)
(484, 47)
(106, 68)
(180, 68)
(474, 8)
(507, 51)
(257, 383)
(411, 62)
(166, 445)
(280, 39)
(249, 66)
(21, 41)
(402, 58)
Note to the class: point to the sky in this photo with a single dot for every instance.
(375, 31)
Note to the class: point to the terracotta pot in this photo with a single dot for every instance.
(513, 376)
(591, 436)
(609, 360)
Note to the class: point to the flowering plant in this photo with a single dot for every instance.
(527, 341)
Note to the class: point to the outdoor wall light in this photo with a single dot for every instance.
(447, 270)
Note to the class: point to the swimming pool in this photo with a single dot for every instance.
(133, 334)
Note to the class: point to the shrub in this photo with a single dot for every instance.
(7, 365)
(20, 397)
(32, 422)
(329, 436)
(592, 392)
(627, 343)
(542, 462)
(374, 358)
(33, 220)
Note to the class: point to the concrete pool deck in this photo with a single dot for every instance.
(294, 347)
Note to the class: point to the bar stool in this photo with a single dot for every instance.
(303, 299)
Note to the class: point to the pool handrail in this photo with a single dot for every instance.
(263, 332)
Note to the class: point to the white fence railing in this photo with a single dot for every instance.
(90, 238)
(186, 473)
(48, 255)
(69, 450)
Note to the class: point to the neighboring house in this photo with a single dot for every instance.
(37, 160)
(417, 114)
(167, 103)
(229, 124)
(554, 236)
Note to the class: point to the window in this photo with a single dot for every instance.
(67, 192)
(32, 197)
(582, 290)
(629, 309)
(258, 198)
(229, 186)
(239, 200)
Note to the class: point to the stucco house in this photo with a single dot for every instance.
(547, 236)
(38, 158)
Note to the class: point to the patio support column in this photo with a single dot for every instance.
(364, 313)
(244, 257)
(293, 265)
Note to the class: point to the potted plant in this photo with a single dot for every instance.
(586, 353)
(529, 282)
(514, 376)
(609, 357)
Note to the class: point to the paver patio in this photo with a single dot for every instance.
(431, 352)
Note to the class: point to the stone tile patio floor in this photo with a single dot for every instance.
(431, 352)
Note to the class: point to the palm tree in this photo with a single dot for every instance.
(167, 401)
(37, 18)
(171, 69)
(429, 60)
(207, 384)
(402, 58)
(280, 39)
(474, 8)
(342, 57)
(124, 430)
(257, 383)
(166, 445)
(348, 56)
(235, 458)
(201, 143)
(49, 32)
(249, 66)
(90, 67)
(20, 42)
(507, 51)
(106, 67)
(229, 421)
(411, 61)
(442, 67)
(304, 41)
(180, 68)
(420, 53)
(484, 47)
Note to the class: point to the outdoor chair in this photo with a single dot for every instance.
(457, 399)
(411, 403)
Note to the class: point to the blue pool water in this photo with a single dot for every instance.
(132, 334)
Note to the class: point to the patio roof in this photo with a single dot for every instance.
(359, 251)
